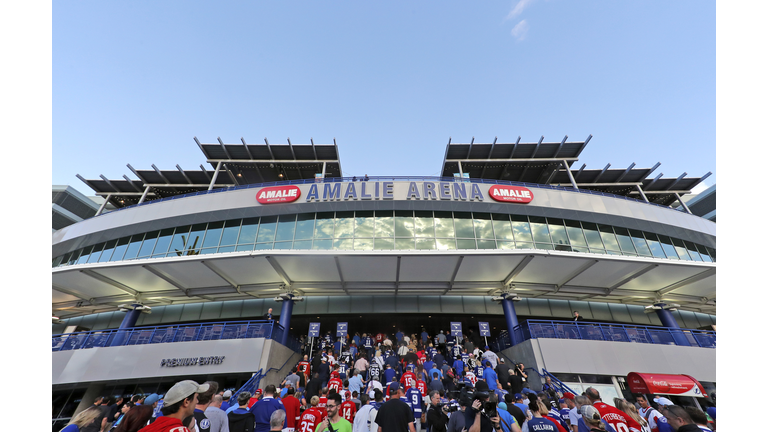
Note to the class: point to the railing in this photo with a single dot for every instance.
(559, 385)
(534, 329)
(173, 333)
(393, 178)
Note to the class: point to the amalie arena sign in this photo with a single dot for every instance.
(388, 190)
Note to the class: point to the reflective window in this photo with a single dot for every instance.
(286, 225)
(389, 230)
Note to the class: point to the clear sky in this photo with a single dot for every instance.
(134, 82)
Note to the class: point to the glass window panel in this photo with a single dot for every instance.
(404, 244)
(597, 251)
(195, 239)
(385, 225)
(324, 225)
(502, 229)
(267, 228)
(84, 255)
(322, 244)
(692, 251)
(383, 243)
(404, 223)
(486, 244)
(231, 230)
(364, 244)
(505, 244)
(704, 254)
(57, 261)
(579, 249)
(654, 245)
(244, 247)
(96, 253)
(521, 228)
(557, 231)
(180, 236)
(682, 252)
(343, 244)
(263, 246)
(108, 249)
(75, 255)
(302, 244)
(133, 247)
(592, 235)
(424, 224)
(248, 231)
(712, 253)
(286, 225)
(466, 244)
(523, 245)
(213, 234)
(546, 246)
(540, 230)
(445, 243)
(305, 226)
(483, 226)
(283, 245)
(425, 243)
(122, 245)
(609, 238)
(225, 249)
(625, 242)
(364, 225)
(149, 244)
(208, 251)
(463, 223)
(444, 225)
(639, 241)
(345, 225)
(669, 248)
(163, 242)
(575, 234)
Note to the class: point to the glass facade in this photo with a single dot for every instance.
(389, 230)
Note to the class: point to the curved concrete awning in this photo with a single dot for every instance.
(100, 287)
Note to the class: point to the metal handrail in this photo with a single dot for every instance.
(557, 382)
(392, 178)
(172, 333)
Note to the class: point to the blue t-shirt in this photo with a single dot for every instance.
(459, 366)
(507, 417)
(490, 377)
(542, 424)
(389, 375)
(262, 411)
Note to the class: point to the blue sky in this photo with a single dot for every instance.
(133, 82)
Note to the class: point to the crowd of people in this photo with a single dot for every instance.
(374, 383)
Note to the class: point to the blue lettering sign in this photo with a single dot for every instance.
(460, 191)
(351, 192)
(332, 192)
(413, 191)
(389, 190)
(364, 195)
(445, 191)
(476, 193)
(312, 193)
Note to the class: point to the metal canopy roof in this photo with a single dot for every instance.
(101, 287)
(551, 163)
(239, 164)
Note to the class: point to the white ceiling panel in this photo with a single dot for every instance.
(136, 277)
(311, 268)
(60, 297)
(190, 274)
(606, 274)
(661, 277)
(703, 288)
(418, 268)
(368, 268)
(550, 269)
(247, 270)
(487, 267)
(85, 285)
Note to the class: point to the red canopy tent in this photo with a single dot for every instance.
(665, 384)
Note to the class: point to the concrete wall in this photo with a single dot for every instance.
(144, 361)
(612, 358)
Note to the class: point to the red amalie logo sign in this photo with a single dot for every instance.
(515, 194)
(278, 194)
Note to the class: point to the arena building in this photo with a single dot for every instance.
(177, 279)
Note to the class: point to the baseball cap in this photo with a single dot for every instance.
(258, 391)
(663, 401)
(182, 390)
(518, 396)
(154, 397)
(568, 395)
(394, 387)
(227, 394)
(712, 411)
(481, 386)
(589, 412)
(348, 394)
(501, 360)
(561, 400)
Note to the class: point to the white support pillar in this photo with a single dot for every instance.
(103, 205)
(215, 175)
(570, 174)
(144, 195)
(323, 169)
(639, 189)
(682, 203)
